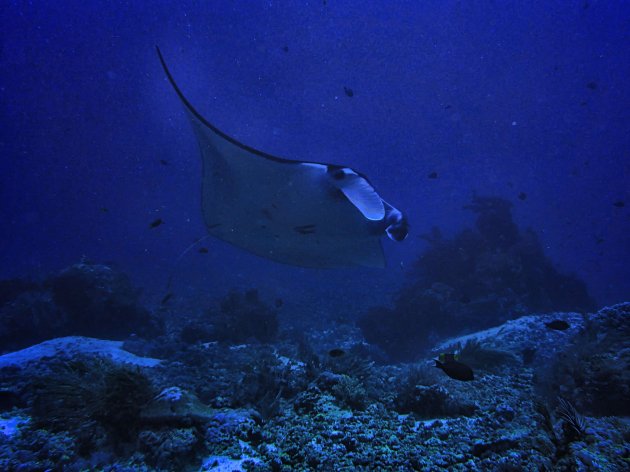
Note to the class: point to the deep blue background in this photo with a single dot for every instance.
(491, 95)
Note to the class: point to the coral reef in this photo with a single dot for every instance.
(243, 317)
(480, 278)
(316, 400)
(85, 299)
(574, 423)
(240, 317)
(593, 370)
(170, 449)
(432, 401)
(93, 399)
(99, 301)
(11, 289)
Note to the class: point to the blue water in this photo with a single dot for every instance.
(497, 98)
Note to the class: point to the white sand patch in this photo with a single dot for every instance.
(11, 425)
(71, 346)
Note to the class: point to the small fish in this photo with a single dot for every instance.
(305, 229)
(203, 250)
(433, 175)
(336, 352)
(163, 162)
(278, 303)
(448, 107)
(465, 299)
(522, 196)
(559, 325)
(348, 91)
(592, 85)
(619, 204)
(156, 223)
(285, 48)
(267, 214)
(166, 298)
(454, 369)
(104, 209)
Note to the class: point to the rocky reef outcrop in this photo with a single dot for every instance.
(481, 277)
(549, 393)
(83, 300)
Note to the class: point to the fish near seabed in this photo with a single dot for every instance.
(454, 369)
(308, 214)
(558, 325)
(336, 352)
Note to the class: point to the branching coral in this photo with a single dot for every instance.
(262, 386)
(85, 396)
(574, 421)
(350, 392)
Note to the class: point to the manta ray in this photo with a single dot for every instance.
(302, 213)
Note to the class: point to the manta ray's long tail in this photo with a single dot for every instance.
(169, 284)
